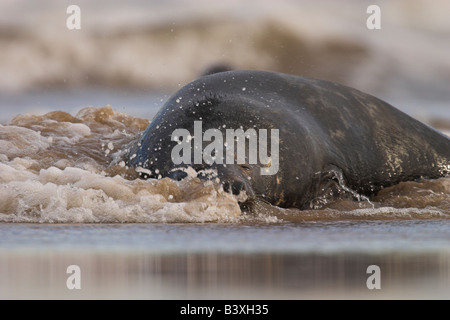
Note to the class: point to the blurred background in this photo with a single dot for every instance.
(134, 54)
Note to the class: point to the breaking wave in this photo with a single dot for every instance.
(161, 44)
(59, 168)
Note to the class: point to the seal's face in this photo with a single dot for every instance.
(235, 179)
(199, 139)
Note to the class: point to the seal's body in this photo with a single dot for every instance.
(327, 133)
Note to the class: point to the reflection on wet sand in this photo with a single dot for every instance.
(224, 276)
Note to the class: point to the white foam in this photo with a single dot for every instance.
(8, 173)
(402, 213)
(19, 141)
(74, 195)
(52, 170)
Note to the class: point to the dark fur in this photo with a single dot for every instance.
(327, 131)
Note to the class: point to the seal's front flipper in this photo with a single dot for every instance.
(333, 185)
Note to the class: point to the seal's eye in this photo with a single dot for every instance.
(245, 167)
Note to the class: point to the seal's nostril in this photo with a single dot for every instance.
(237, 187)
(234, 186)
(226, 186)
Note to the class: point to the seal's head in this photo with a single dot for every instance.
(193, 138)
(235, 179)
(227, 123)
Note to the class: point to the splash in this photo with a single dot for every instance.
(59, 168)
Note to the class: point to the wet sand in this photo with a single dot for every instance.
(293, 261)
(224, 276)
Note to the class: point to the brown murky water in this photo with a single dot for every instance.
(67, 198)
(63, 168)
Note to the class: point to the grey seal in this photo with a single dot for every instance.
(330, 137)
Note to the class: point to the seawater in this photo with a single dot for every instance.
(66, 198)
(310, 260)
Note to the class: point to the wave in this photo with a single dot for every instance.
(59, 168)
(162, 45)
